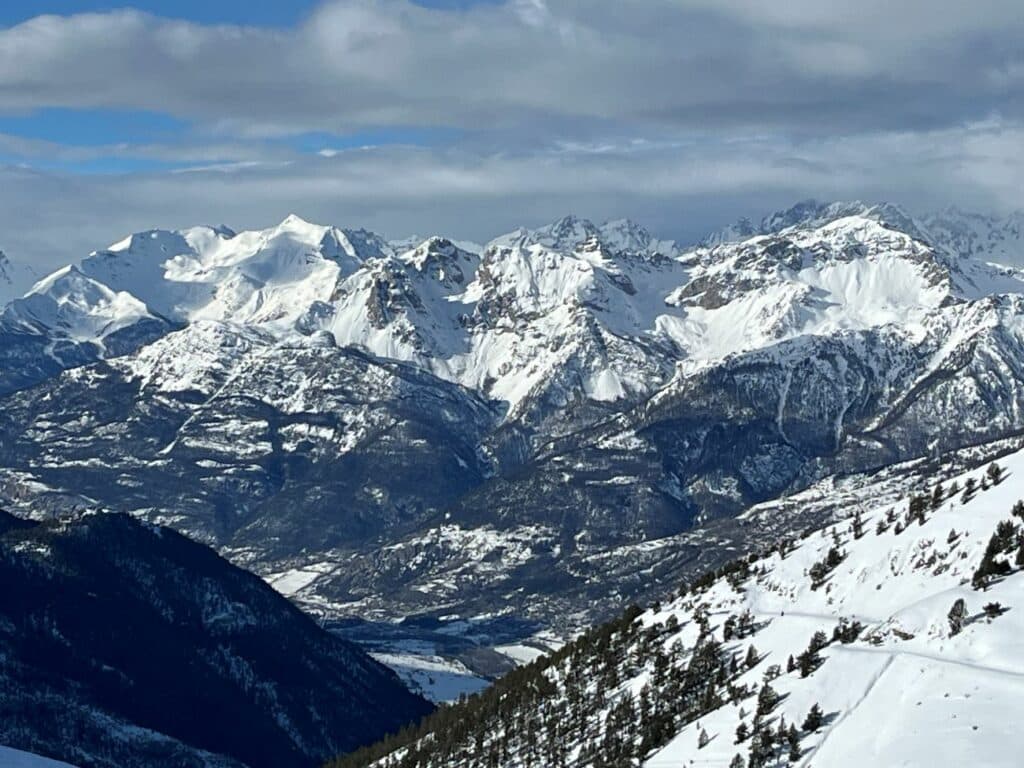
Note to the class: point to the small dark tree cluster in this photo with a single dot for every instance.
(810, 659)
(820, 570)
(916, 510)
(970, 488)
(957, 617)
(857, 525)
(847, 631)
(993, 565)
(814, 720)
(994, 473)
(1018, 509)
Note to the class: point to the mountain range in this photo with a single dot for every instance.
(538, 429)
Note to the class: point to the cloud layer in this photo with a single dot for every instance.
(678, 112)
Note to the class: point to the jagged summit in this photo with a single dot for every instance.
(811, 213)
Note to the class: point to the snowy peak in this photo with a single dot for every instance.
(999, 240)
(571, 233)
(811, 214)
(568, 310)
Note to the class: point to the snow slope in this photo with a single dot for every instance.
(906, 692)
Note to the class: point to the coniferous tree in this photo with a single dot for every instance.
(937, 496)
(767, 698)
(970, 487)
(752, 657)
(857, 526)
(814, 720)
(742, 732)
(738, 762)
(992, 610)
(917, 508)
(994, 473)
(793, 742)
(1018, 509)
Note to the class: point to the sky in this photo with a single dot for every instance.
(469, 118)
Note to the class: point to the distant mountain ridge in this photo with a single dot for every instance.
(442, 429)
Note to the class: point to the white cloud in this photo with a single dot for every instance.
(737, 65)
(678, 191)
(680, 113)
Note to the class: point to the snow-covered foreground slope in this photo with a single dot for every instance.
(908, 691)
(920, 610)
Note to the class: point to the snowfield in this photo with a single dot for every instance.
(906, 693)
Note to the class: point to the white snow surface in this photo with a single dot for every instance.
(906, 693)
(573, 309)
(435, 678)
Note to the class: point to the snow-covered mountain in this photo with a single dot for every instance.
(889, 638)
(995, 239)
(442, 429)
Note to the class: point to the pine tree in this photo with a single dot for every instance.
(1018, 509)
(761, 750)
(738, 762)
(857, 526)
(791, 664)
(703, 739)
(937, 496)
(742, 733)
(729, 628)
(793, 740)
(752, 657)
(814, 720)
(767, 698)
(993, 610)
(970, 487)
(994, 473)
(917, 508)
